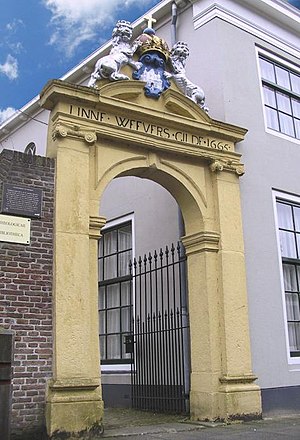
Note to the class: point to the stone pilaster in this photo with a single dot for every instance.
(74, 401)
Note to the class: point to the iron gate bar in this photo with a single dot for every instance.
(160, 331)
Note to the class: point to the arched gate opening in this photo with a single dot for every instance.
(143, 303)
(95, 137)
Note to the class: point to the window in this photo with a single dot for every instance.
(281, 91)
(115, 252)
(30, 149)
(288, 215)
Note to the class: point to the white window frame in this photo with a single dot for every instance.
(292, 199)
(284, 63)
(111, 224)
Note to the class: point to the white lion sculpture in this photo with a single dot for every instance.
(178, 57)
(108, 67)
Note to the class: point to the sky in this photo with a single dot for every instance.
(44, 39)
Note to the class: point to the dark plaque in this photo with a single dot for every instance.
(22, 200)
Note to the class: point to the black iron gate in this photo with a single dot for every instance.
(160, 332)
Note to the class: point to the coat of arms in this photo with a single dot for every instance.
(151, 61)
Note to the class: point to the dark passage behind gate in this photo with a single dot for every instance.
(160, 332)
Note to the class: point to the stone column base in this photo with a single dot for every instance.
(237, 398)
(240, 398)
(74, 407)
(204, 406)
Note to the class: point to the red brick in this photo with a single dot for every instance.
(26, 293)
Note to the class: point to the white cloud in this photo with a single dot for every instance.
(9, 36)
(10, 67)
(13, 25)
(77, 22)
(6, 113)
(16, 47)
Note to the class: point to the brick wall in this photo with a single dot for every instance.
(26, 294)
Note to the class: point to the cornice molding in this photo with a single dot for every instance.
(74, 384)
(227, 165)
(133, 123)
(236, 379)
(95, 225)
(203, 241)
(61, 131)
(218, 11)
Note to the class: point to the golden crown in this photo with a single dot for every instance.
(150, 42)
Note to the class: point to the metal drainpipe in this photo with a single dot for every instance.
(173, 41)
(184, 310)
(173, 24)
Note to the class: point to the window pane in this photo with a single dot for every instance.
(294, 335)
(101, 298)
(110, 242)
(113, 321)
(113, 347)
(272, 118)
(102, 347)
(287, 244)
(100, 247)
(290, 278)
(113, 296)
(125, 238)
(296, 107)
(267, 70)
(124, 354)
(285, 218)
(283, 102)
(298, 274)
(110, 267)
(126, 293)
(297, 218)
(101, 322)
(298, 245)
(100, 270)
(282, 77)
(269, 95)
(297, 127)
(292, 306)
(126, 319)
(295, 80)
(124, 259)
(286, 124)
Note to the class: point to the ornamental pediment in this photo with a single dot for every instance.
(171, 101)
(119, 113)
